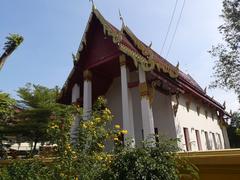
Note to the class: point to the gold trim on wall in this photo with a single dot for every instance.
(148, 65)
(87, 75)
(143, 89)
(122, 60)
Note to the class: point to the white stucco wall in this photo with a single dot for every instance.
(137, 116)
(162, 110)
(163, 115)
(191, 120)
(164, 119)
(114, 101)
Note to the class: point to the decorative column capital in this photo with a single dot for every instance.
(122, 60)
(143, 88)
(87, 75)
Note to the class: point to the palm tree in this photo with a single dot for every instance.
(13, 41)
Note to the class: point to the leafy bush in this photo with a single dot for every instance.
(89, 160)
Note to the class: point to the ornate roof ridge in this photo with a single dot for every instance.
(148, 63)
(150, 54)
(143, 48)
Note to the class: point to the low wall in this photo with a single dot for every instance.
(219, 165)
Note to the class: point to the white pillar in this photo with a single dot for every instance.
(146, 109)
(127, 112)
(225, 137)
(75, 123)
(87, 94)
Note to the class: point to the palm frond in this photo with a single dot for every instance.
(13, 41)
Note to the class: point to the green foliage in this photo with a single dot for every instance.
(235, 120)
(13, 41)
(37, 107)
(89, 160)
(7, 106)
(234, 130)
(27, 169)
(38, 104)
(144, 163)
(37, 96)
(7, 111)
(227, 66)
(33, 125)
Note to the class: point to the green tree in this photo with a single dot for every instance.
(227, 54)
(7, 107)
(235, 121)
(37, 106)
(234, 130)
(37, 103)
(7, 111)
(13, 41)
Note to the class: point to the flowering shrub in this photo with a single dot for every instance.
(88, 158)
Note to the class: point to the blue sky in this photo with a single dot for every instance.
(53, 29)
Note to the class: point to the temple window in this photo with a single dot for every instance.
(207, 141)
(214, 141)
(220, 141)
(198, 140)
(187, 139)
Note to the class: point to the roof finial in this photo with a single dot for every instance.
(93, 5)
(205, 90)
(74, 59)
(224, 105)
(121, 18)
(150, 45)
(177, 66)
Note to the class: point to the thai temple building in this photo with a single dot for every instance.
(145, 93)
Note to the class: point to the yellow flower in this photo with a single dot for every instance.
(84, 126)
(99, 158)
(107, 111)
(98, 119)
(53, 126)
(124, 131)
(100, 145)
(115, 139)
(109, 156)
(68, 146)
(117, 126)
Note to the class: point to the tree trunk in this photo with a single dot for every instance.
(34, 147)
(4, 57)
